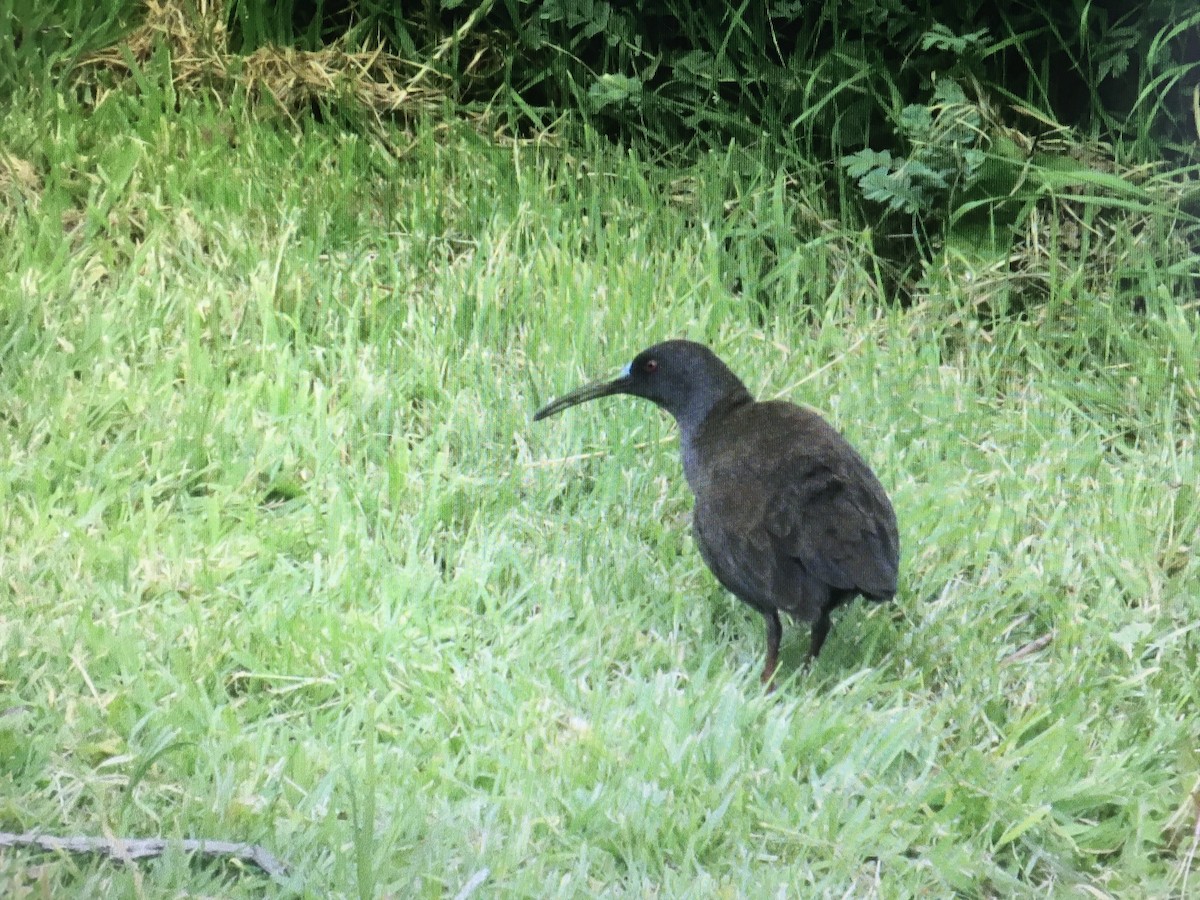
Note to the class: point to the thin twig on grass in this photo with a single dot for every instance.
(130, 849)
(1029, 649)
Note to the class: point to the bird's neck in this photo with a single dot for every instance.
(706, 413)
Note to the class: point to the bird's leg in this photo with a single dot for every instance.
(774, 633)
(820, 631)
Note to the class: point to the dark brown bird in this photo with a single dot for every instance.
(788, 516)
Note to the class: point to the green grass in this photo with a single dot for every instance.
(284, 560)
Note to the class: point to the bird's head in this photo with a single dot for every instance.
(683, 377)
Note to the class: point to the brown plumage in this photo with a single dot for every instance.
(788, 516)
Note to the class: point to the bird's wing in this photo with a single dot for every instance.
(838, 526)
(793, 513)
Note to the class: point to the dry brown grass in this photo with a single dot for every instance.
(20, 187)
(197, 40)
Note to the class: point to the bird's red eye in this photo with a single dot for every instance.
(650, 366)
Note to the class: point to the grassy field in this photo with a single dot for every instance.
(285, 561)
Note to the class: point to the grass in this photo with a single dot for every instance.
(285, 561)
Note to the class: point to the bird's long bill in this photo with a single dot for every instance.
(581, 395)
